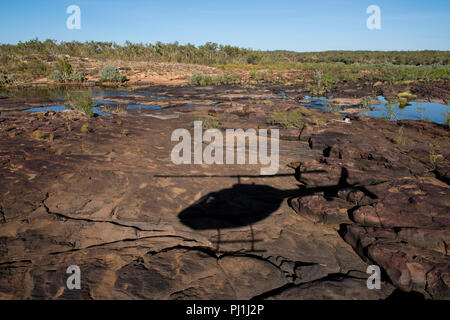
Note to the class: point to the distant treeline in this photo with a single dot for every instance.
(213, 53)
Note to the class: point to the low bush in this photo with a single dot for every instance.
(210, 122)
(65, 73)
(293, 119)
(77, 77)
(3, 79)
(57, 76)
(112, 74)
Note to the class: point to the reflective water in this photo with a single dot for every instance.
(428, 111)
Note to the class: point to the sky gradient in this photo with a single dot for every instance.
(268, 25)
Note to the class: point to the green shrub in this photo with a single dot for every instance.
(253, 58)
(286, 120)
(209, 122)
(280, 118)
(81, 102)
(199, 79)
(3, 79)
(36, 68)
(366, 104)
(433, 158)
(57, 76)
(112, 74)
(61, 77)
(37, 134)
(77, 77)
(390, 113)
(65, 67)
(84, 128)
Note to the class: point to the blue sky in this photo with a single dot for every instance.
(313, 25)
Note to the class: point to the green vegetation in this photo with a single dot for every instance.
(433, 158)
(77, 77)
(85, 128)
(323, 83)
(405, 97)
(366, 105)
(213, 53)
(34, 59)
(112, 74)
(65, 67)
(209, 122)
(65, 73)
(421, 111)
(206, 80)
(293, 119)
(4, 79)
(82, 102)
(331, 107)
(57, 76)
(37, 134)
(390, 113)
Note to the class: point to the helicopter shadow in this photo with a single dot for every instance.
(244, 205)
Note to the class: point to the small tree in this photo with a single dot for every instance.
(65, 68)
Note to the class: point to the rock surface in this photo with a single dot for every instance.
(140, 227)
(388, 200)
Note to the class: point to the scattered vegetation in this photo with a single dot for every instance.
(206, 80)
(323, 83)
(213, 53)
(293, 119)
(81, 101)
(33, 59)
